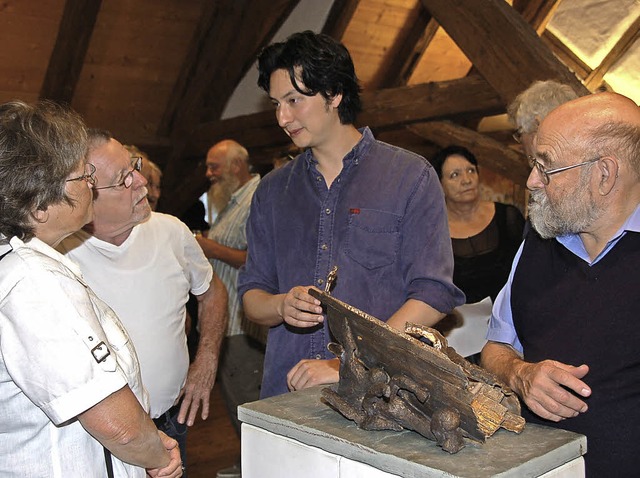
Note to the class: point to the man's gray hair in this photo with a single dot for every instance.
(532, 105)
(618, 139)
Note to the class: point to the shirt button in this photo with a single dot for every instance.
(324, 247)
(320, 281)
(318, 356)
(328, 211)
(319, 178)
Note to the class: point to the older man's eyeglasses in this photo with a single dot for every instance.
(545, 173)
(127, 181)
(89, 174)
(517, 135)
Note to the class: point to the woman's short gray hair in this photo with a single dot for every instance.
(40, 146)
(533, 104)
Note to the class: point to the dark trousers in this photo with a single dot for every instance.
(240, 373)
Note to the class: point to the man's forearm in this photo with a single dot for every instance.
(503, 361)
(214, 250)
(417, 312)
(120, 424)
(263, 308)
(212, 319)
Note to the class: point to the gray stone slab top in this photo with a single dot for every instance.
(305, 417)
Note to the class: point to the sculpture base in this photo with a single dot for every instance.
(297, 435)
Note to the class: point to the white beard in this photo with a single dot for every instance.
(573, 215)
(220, 192)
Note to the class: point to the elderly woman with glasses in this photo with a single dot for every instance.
(70, 388)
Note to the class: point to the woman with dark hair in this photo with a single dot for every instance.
(485, 235)
(70, 387)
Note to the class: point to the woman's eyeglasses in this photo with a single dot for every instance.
(89, 174)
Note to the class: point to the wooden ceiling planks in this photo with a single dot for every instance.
(131, 66)
(29, 32)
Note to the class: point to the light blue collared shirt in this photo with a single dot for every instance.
(501, 328)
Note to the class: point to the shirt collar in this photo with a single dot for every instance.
(573, 242)
(244, 188)
(41, 247)
(353, 156)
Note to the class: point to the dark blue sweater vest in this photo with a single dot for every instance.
(565, 310)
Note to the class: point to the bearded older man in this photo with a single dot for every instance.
(232, 188)
(564, 332)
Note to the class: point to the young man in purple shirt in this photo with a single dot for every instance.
(374, 210)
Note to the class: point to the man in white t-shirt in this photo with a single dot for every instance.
(144, 265)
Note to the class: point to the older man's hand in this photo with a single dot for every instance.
(546, 388)
(197, 389)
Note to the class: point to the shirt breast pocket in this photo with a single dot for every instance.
(373, 238)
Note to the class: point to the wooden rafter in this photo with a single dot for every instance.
(575, 64)
(65, 64)
(537, 13)
(339, 17)
(211, 70)
(490, 153)
(517, 56)
(419, 34)
(382, 109)
(594, 80)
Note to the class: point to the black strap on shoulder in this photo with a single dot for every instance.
(108, 463)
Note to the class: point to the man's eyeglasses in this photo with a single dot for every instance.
(545, 173)
(89, 174)
(127, 181)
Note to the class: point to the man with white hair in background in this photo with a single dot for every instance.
(232, 188)
(532, 105)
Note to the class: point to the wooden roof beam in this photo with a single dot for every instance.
(575, 64)
(211, 71)
(385, 108)
(500, 44)
(490, 153)
(537, 13)
(595, 78)
(339, 17)
(65, 64)
(403, 62)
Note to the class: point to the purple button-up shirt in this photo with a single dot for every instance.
(382, 222)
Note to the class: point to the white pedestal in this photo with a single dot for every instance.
(298, 436)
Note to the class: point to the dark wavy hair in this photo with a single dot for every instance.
(442, 155)
(40, 146)
(321, 63)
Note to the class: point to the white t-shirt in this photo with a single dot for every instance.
(147, 280)
(54, 333)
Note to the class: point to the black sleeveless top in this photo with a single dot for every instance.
(565, 310)
(482, 262)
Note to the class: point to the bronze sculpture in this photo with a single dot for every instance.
(392, 380)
